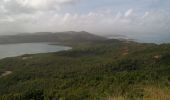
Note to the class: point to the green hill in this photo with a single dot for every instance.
(95, 70)
(69, 36)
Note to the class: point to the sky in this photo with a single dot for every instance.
(133, 18)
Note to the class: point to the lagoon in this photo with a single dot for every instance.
(12, 50)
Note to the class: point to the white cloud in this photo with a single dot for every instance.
(32, 6)
(128, 12)
(3, 9)
(96, 21)
(47, 15)
(36, 4)
(145, 15)
(6, 19)
(6, 1)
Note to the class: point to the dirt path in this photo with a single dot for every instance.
(125, 48)
(5, 73)
(125, 51)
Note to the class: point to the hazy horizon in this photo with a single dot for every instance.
(144, 19)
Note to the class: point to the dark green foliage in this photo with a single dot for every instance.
(91, 71)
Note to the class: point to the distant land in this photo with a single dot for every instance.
(141, 38)
(70, 36)
(73, 36)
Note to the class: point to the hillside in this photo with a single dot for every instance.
(70, 36)
(100, 70)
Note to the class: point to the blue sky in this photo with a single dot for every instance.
(89, 5)
(134, 18)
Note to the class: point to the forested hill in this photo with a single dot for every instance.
(69, 36)
(100, 70)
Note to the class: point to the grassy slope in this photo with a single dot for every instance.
(99, 70)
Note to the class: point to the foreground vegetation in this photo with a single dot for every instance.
(103, 70)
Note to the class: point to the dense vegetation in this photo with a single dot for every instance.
(108, 69)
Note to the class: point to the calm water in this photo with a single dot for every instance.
(12, 50)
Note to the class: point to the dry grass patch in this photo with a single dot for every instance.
(116, 98)
(156, 93)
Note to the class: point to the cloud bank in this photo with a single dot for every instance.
(63, 15)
